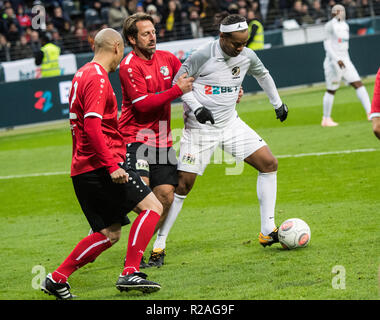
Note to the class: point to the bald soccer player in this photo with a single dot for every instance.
(105, 187)
(338, 65)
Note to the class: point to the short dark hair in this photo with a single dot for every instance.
(232, 19)
(129, 25)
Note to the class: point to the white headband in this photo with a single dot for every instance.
(233, 27)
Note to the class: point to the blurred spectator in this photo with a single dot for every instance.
(243, 12)
(255, 7)
(317, 12)
(350, 7)
(256, 33)
(81, 39)
(296, 12)
(207, 17)
(376, 7)
(9, 17)
(116, 15)
(22, 18)
(59, 18)
(195, 25)
(22, 49)
(4, 48)
(35, 42)
(13, 34)
(306, 17)
(364, 9)
(57, 39)
(171, 22)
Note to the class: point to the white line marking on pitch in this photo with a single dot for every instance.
(300, 155)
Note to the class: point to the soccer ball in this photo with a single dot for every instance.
(294, 233)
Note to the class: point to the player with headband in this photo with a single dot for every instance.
(211, 120)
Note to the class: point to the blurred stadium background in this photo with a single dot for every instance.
(293, 35)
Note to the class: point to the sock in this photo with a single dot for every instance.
(87, 250)
(266, 193)
(328, 100)
(163, 232)
(364, 98)
(140, 234)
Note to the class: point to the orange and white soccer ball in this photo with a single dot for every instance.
(294, 233)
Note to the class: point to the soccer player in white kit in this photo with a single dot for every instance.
(337, 65)
(211, 120)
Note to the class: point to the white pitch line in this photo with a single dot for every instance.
(279, 157)
(34, 175)
(325, 153)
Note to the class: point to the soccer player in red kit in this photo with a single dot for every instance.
(146, 76)
(375, 107)
(106, 188)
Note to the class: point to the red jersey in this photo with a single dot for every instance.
(375, 108)
(92, 98)
(147, 93)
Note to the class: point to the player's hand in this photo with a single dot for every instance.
(241, 92)
(119, 176)
(341, 64)
(282, 112)
(184, 83)
(203, 115)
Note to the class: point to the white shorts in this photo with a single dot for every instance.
(198, 145)
(334, 75)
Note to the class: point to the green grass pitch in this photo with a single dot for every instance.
(212, 251)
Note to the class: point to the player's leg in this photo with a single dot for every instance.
(141, 232)
(245, 144)
(352, 77)
(172, 204)
(192, 161)
(100, 200)
(165, 194)
(362, 94)
(266, 164)
(332, 79)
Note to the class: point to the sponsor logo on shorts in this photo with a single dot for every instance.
(188, 159)
(142, 165)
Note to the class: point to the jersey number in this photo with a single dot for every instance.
(74, 94)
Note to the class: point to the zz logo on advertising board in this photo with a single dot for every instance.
(43, 100)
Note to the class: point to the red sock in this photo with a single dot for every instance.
(140, 234)
(85, 251)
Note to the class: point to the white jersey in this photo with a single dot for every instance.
(218, 78)
(337, 35)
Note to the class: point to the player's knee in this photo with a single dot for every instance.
(156, 206)
(166, 198)
(184, 187)
(270, 165)
(113, 236)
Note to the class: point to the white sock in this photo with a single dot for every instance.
(328, 100)
(266, 193)
(364, 98)
(163, 232)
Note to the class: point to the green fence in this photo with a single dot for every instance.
(41, 100)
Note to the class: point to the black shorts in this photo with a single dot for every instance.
(104, 202)
(158, 164)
